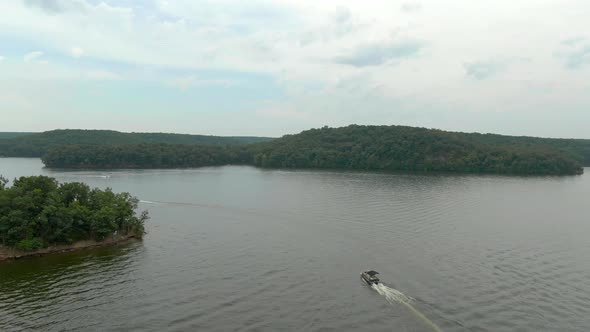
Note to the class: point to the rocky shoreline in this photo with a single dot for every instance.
(9, 254)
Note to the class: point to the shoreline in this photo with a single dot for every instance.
(581, 171)
(10, 254)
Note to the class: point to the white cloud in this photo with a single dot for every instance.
(483, 69)
(32, 56)
(76, 52)
(380, 53)
(1, 58)
(411, 6)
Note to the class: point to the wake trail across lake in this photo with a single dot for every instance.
(394, 296)
(182, 204)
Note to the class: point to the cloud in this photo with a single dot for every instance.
(411, 6)
(579, 57)
(76, 52)
(573, 41)
(32, 56)
(54, 7)
(49, 6)
(576, 53)
(1, 58)
(378, 54)
(343, 23)
(481, 70)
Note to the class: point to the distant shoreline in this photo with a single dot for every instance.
(382, 148)
(10, 254)
(582, 171)
(355, 170)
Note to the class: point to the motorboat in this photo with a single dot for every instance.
(370, 277)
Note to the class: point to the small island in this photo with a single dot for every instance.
(38, 215)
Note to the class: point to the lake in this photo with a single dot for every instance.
(244, 249)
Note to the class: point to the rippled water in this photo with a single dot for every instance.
(238, 248)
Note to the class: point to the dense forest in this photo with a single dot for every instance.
(576, 148)
(145, 156)
(37, 144)
(37, 211)
(408, 148)
(6, 134)
(352, 147)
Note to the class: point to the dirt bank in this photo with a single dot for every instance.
(7, 254)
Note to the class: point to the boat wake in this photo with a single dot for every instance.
(147, 202)
(394, 296)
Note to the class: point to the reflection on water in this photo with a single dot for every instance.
(64, 282)
(238, 248)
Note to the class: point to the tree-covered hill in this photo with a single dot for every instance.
(576, 148)
(353, 147)
(37, 144)
(408, 148)
(145, 155)
(6, 134)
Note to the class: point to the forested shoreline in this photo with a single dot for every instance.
(145, 156)
(408, 149)
(37, 212)
(353, 147)
(38, 144)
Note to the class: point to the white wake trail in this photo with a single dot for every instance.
(394, 296)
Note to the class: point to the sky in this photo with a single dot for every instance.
(275, 67)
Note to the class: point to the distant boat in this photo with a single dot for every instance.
(370, 277)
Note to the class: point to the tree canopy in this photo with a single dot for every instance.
(6, 134)
(144, 156)
(37, 211)
(408, 148)
(37, 144)
(352, 147)
(578, 149)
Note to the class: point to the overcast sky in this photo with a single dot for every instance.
(262, 67)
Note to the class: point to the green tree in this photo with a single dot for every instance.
(3, 182)
(37, 211)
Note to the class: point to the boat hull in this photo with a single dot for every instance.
(369, 280)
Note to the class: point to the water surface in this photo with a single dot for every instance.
(244, 249)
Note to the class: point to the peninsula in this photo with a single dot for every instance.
(380, 148)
